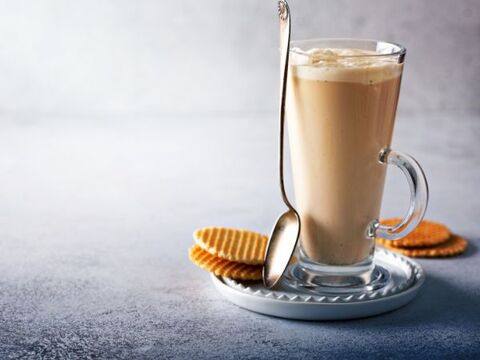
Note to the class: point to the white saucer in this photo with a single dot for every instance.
(406, 279)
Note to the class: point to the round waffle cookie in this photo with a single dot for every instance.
(222, 267)
(453, 246)
(427, 233)
(237, 245)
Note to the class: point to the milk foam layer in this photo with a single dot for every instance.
(349, 65)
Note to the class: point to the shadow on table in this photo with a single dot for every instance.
(439, 302)
(472, 248)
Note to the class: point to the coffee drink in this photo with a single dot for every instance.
(341, 106)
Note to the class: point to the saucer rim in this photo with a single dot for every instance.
(359, 308)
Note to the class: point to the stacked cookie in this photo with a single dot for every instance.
(429, 239)
(233, 253)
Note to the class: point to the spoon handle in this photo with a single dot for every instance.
(284, 15)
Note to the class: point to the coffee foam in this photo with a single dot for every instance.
(348, 65)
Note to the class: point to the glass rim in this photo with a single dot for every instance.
(398, 50)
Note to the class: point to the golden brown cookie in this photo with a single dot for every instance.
(427, 233)
(454, 246)
(242, 246)
(222, 267)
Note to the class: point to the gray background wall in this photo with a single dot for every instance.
(153, 57)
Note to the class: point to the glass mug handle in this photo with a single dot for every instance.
(418, 197)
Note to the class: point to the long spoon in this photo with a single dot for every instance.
(286, 231)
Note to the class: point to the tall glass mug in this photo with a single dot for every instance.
(342, 97)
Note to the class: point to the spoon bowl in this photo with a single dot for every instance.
(283, 239)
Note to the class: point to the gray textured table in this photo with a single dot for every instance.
(96, 217)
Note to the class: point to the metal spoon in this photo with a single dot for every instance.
(285, 234)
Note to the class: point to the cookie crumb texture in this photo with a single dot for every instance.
(222, 267)
(456, 245)
(427, 233)
(244, 246)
